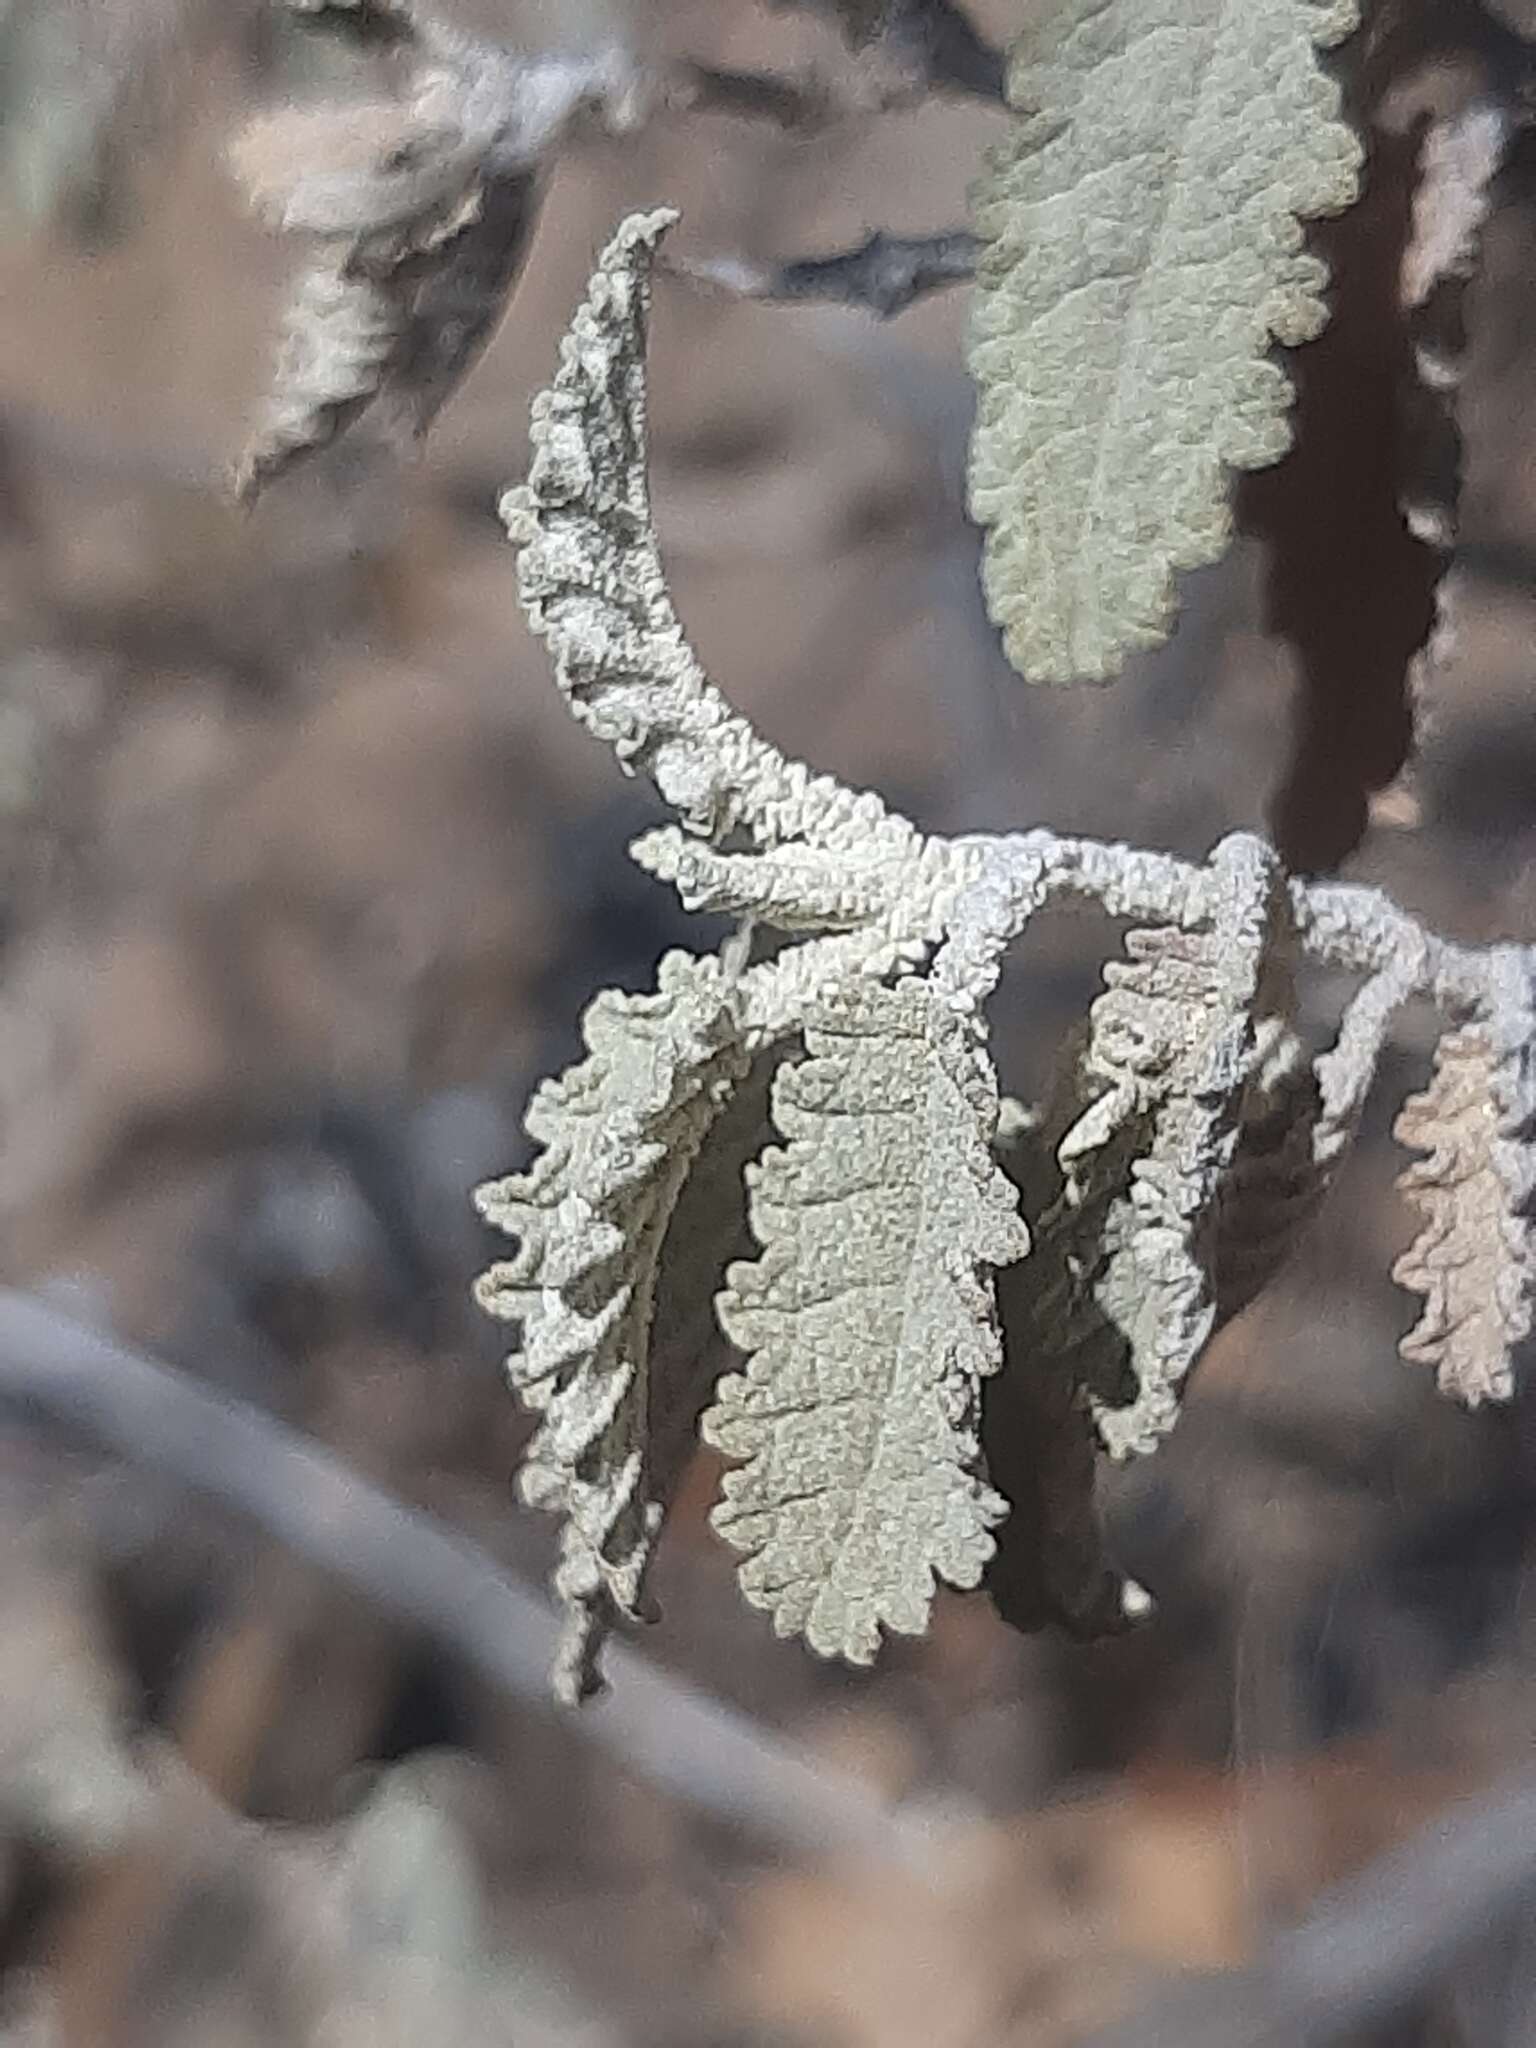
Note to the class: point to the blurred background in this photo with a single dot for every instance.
(307, 876)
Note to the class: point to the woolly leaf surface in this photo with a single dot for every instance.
(1144, 249)
(620, 1132)
(591, 582)
(869, 1324)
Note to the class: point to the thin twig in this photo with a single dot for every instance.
(426, 1575)
(1372, 1946)
(886, 274)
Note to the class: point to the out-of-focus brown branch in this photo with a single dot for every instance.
(234, 1693)
(931, 44)
(426, 1575)
(1372, 1946)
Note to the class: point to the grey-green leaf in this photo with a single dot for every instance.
(620, 1133)
(869, 1323)
(1142, 223)
(1174, 1051)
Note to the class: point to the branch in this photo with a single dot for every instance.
(884, 275)
(591, 582)
(1372, 1946)
(428, 1577)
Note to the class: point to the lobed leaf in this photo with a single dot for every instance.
(1143, 250)
(1474, 1259)
(591, 582)
(620, 1133)
(869, 1325)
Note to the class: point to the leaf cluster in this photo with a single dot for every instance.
(836, 1090)
(779, 1202)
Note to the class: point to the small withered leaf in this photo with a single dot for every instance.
(1474, 1259)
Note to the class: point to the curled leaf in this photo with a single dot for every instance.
(591, 583)
(1474, 1259)
(620, 1132)
(1143, 249)
(868, 1321)
(1174, 1050)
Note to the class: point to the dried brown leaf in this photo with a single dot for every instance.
(1474, 1259)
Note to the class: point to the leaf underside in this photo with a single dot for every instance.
(1174, 1052)
(869, 1324)
(1144, 249)
(620, 1131)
